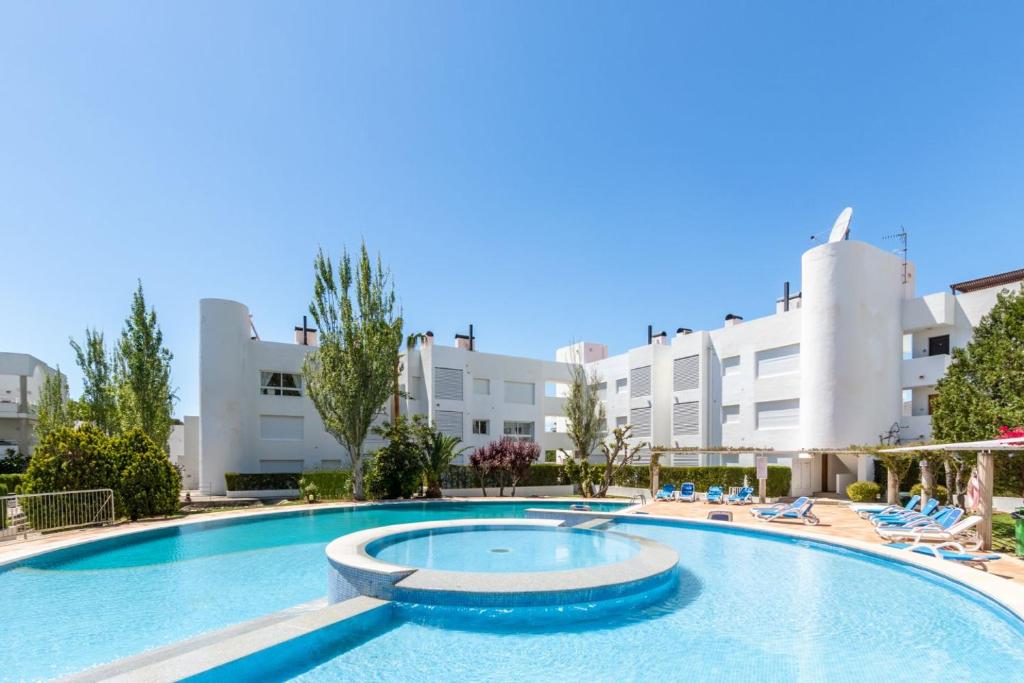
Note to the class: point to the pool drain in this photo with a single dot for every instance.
(500, 550)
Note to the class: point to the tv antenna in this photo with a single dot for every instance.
(902, 237)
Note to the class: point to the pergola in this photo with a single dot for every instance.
(986, 472)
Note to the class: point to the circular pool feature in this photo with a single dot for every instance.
(530, 548)
(490, 566)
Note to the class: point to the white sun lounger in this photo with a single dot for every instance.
(932, 533)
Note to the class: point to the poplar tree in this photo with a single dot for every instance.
(584, 410)
(142, 374)
(53, 411)
(350, 376)
(99, 395)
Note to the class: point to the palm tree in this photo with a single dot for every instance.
(437, 452)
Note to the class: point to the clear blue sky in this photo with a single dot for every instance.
(547, 170)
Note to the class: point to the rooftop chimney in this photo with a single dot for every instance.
(732, 319)
(462, 342)
(683, 331)
(428, 339)
(660, 339)
(305, 335)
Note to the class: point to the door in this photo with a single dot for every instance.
(938, 346)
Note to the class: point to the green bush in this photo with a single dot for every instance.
(331, 484)
(148, 484)
(11, 481)
(13, 462)
(863, 491)
(71, 459)
(3, 489)
(277, 481)
(941, 492)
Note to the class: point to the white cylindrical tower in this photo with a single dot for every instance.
(223, 360)
(851, 344)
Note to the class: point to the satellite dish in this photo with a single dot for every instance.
(841, 228)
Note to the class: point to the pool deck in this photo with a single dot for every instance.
(838, 521)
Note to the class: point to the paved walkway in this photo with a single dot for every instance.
(837, 521)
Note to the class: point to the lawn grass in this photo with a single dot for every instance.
(1003, 538)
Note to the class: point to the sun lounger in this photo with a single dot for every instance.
(929, 508)
(714, 495)
(800, 510)
(667, 492)
(687, 492)
(743, 497)
(952, 551)
(934, 532)
(867, 509)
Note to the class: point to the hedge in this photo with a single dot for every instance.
(262, 482)
(463, 477)
(703, 477)
(11, 481)
(330, 484)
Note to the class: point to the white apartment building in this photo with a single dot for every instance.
(21, 384)
(852, 358)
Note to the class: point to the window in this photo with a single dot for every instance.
(938, 346)
(481, 426)
(280, 384)
(685, 373)
(519, 431)
(730, 366)
(640, 382)
(448, 384)
(620, 386)
(449, 422)
(778, 361)
(685, 418)
(731, 415)
(641, 421)
(481, 387)
(281, 427)
(519, 392)
(778, 414)
(621, 421)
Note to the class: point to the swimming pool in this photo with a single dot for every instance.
(747, 605)
(100, 601)
(523, 549)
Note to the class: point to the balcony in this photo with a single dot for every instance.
(929, 311)
(924, 371)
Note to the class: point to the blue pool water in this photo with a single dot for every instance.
(102, 601)
(746, 607)
(536, 549)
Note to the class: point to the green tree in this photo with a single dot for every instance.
(584, 410)
(147, 484)
(99, 395)
(397, 469)
(351, 374)
(145, 398)
(53, 411)
(618, 454)
(983, 388)
(71, 459)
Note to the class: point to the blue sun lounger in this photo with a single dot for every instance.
(889, 518)
(799, 509)
(714, 495)
(667, 492)
(687, 492)
(742, 497)
(954, 552)
(943, 518)
(867, 509)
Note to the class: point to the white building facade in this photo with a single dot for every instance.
(21, 385)
(852, 358)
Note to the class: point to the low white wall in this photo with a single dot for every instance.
(1006, 504)
(628, 492)
(270, 493)
(492, 491)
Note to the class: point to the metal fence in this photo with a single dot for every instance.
(22, 515)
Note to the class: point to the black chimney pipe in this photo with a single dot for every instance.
(471, 337)
(785, 296)
(304, 326)
(650, 334)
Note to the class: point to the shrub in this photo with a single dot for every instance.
(940, 492)
(702, 477)
(507, 461)
(13, 462)
(275, 481)
(396, 470)
(863, 491)
(72, 459)
(11, 481)
(331, 484)
(463, 477)
(148, 483)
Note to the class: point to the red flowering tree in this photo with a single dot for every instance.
(505, 462)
